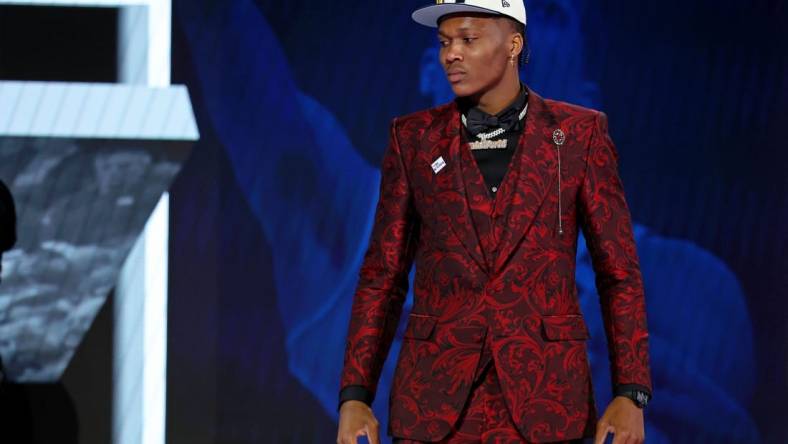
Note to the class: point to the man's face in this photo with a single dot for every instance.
(474, 52)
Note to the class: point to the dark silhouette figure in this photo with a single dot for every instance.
(7, 220)
(30, 413)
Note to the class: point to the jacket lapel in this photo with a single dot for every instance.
(442, 140)
(536, 176)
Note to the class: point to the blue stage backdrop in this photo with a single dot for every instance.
(272, 214)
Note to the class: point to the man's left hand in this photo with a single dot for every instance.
(624, 420)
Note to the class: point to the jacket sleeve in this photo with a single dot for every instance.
(383, 279)
(607, 228)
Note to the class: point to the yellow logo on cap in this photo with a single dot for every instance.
(439, 2)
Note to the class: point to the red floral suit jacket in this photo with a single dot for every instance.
(498, 268)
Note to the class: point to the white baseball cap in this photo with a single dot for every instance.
(429, 15)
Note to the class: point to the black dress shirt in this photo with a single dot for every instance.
(493, 163)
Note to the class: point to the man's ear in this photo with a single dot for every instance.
(515, 40)
(516, 45)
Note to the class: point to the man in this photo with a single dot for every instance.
(487, 195)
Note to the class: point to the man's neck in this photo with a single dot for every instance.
(498, 98)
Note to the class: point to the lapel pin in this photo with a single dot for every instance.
(438, 165)
(559, 137)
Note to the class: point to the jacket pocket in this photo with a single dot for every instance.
(419, 326)
(564, 327)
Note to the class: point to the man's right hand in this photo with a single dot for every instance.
(356, 419)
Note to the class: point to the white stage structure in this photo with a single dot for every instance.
(142, 105)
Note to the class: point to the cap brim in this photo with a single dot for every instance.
(429, 15)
